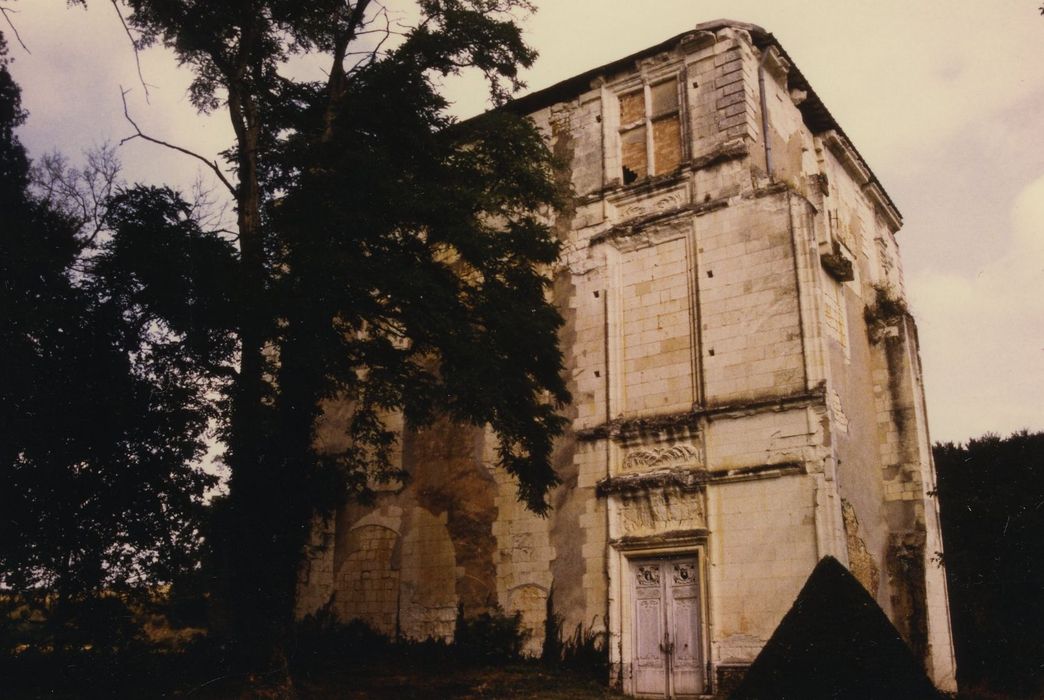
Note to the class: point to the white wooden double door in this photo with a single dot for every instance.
(667, 646)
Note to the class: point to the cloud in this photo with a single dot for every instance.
(982, 336)
(943, 100)
(71, 86)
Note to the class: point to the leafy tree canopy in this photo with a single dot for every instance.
(101, 434)
(384, 256)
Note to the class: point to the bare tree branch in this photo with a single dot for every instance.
(5, 12)
(210, 213)
(371, 56)
(141, 135)
(336, 83)
(82, 194)
(134, 46)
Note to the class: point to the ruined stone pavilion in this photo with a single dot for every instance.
(747, 393)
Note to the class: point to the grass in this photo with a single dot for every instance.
(191, 675)
(514, 680)
(200, 674)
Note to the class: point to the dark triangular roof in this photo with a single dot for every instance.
(835, 642)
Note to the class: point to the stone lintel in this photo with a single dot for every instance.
(754, 473)
(682, 479)
(667, 539)
(694, 479)
(621, 429)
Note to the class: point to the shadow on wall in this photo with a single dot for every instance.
(398, 575)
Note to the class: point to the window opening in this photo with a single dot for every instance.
(650, 131)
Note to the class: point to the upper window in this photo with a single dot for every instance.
(650, 131)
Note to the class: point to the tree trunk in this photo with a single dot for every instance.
(255, 624)
(270, 451)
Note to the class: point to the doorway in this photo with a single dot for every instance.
(667, 637)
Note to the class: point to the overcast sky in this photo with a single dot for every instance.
(945, 99)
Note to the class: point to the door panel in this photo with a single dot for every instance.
(684, 624)
(667, 645)
(650, 663)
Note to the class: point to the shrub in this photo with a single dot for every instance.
(489, 637)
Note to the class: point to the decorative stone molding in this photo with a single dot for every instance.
(695, 41)
(657, 509)
(890, 215)
(693, 480)
(732, 149)
(776, 64)
(679, 479)
(658, 195)
(670, 457)
(646, 231)
(669, 201)
(630, 431)
(849, 158)
(673, 539)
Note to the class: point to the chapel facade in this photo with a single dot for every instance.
(747, 393)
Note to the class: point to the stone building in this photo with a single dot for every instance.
(746, 382)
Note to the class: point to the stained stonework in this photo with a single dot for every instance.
(746, 382)
(860, 561)
(905, 563)
(367, 584)
(427, 605)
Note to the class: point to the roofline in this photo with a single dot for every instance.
(814, 113)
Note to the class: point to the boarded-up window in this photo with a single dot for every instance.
(632, 108)
(650, 131)
(664, 98)
(667, 143)
(633, 152)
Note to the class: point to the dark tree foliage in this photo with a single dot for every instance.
(385, 257)
(991, 498)
(99, 434)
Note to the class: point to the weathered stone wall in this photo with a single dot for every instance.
(765, 540)
(427, 549)
(751, 333)
(732, 404)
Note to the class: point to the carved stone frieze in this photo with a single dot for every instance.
(666, 457)
(672, 200)
(645, 513)
(679, 479)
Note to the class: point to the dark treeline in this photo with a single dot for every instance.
(383, 256)
(991, 497)
(101, 426)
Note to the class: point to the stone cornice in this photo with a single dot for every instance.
(622, 428)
